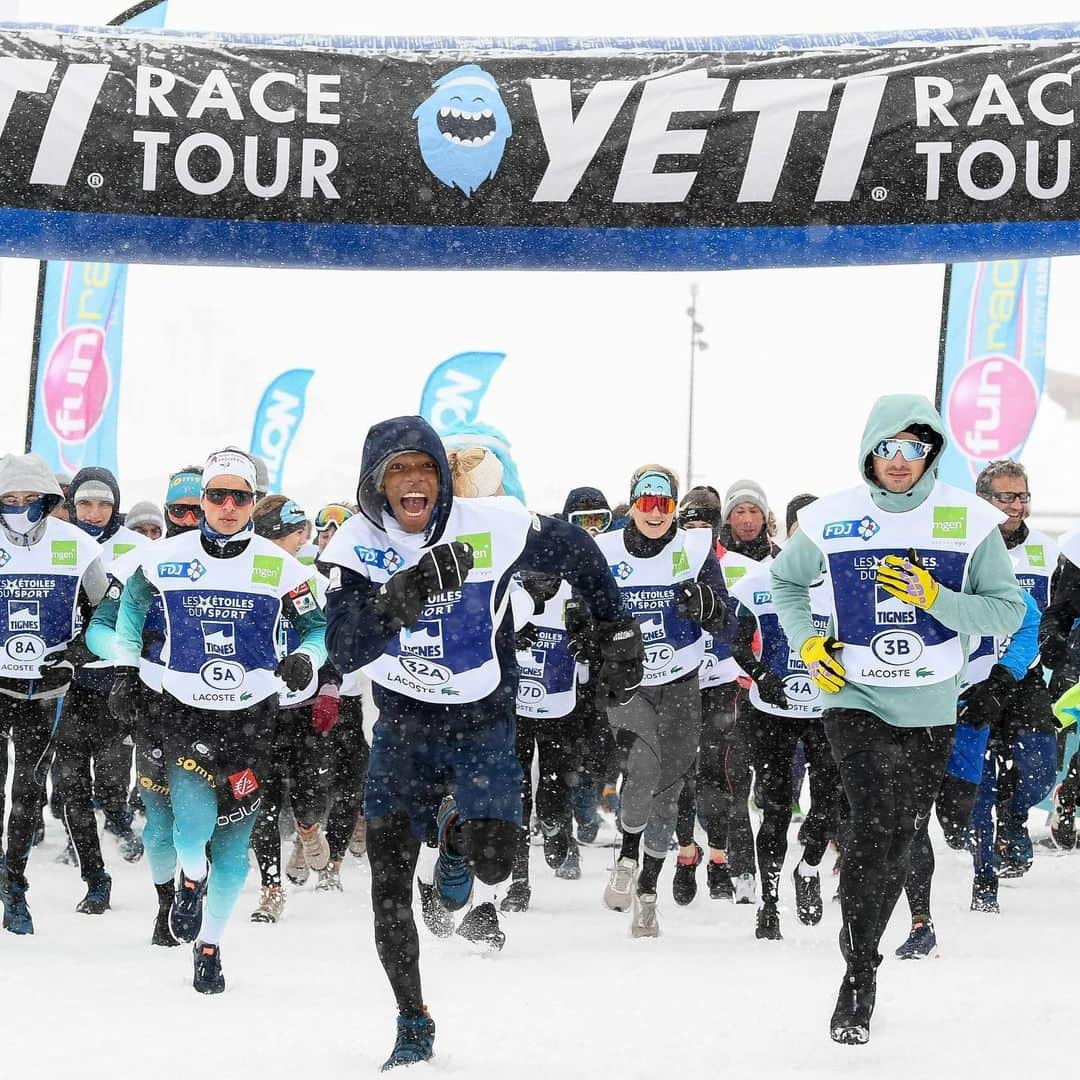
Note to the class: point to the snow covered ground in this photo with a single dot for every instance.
(570, 996)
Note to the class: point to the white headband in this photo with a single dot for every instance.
(229, 463)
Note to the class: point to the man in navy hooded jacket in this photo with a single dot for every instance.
(419, 598)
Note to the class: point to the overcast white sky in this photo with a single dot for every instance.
(596, 375)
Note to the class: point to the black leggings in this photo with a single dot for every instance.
(559, 746)
(709, 793)
(954, 804)
(891, 776)
(348, 761)
(773, 740)
(392, 852)
(30, 725)
(88, 733)
(300, 763)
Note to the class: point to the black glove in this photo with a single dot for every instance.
(696, 601)
(445, 567)
(526, 637)
(983, 703)
(125, 697)
(581, 641)
(622, 656)
(59, 667)
(296, 670)
(1061, 679)
(770, 685)
(541, 587)
(399, 602)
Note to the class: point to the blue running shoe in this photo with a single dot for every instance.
(415, 1042)
(453, 875)
(13, 896)
(185, 918)
(1014, 849)
(98, 893)
(921, 942)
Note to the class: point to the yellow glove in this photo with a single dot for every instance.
(1067, 708)
(907, 580)
(823, 667)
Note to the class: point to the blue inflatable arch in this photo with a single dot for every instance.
(161, 146)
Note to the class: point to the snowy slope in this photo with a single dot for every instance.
(571, 995)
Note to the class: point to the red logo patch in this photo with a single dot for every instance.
(243, 784)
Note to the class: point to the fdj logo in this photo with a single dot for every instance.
(481, 549)
(950, 523)
(64, 553)
(621, 571)
(388, 560)
(763, 598)
(192, 570)
(266, 570)
(865, 528)
(5, 557)
(680, 562)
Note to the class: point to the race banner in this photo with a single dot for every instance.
(277, 420)
(78, 345)
(170, 147)
(454, 389)
(993, 362)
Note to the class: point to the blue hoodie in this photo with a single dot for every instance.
(355, 634)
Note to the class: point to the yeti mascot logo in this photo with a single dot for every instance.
(463, 128)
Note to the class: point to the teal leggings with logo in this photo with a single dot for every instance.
(195, 817)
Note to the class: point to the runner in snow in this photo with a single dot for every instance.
(224, 591)
(419, 599)
(93, 752)
(671, 582)
(1004, 706)
(783, 708)
(916, 568)
(151, 767)
(52, 577)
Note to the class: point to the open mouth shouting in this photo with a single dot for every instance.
(464, 128)
(414, 505)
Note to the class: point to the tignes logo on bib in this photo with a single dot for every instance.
(266, 570)
(64, 553)
(680, 562)
(950, 523)
(1036, 554)
(481, 547)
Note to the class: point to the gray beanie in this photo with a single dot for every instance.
(145, 513)
(743, 491)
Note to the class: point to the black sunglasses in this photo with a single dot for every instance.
(181, 510)
(218, 496)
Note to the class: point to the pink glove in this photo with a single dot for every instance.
(324, 712)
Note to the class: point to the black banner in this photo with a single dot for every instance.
(108, 124)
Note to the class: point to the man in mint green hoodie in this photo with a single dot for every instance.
(916, 569)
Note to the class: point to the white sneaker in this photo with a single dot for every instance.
(358, 840)
(644, 922)
(296, 869)
(620, 885)
(330, 878)
(271, 904)
(316, 846)
(745, 886)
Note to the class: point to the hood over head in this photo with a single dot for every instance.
(889, 416)
(584, 498)
(95, 474)
(28, 472)
(385, 441)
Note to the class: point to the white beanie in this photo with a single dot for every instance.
(145, 513)
(745, 491)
